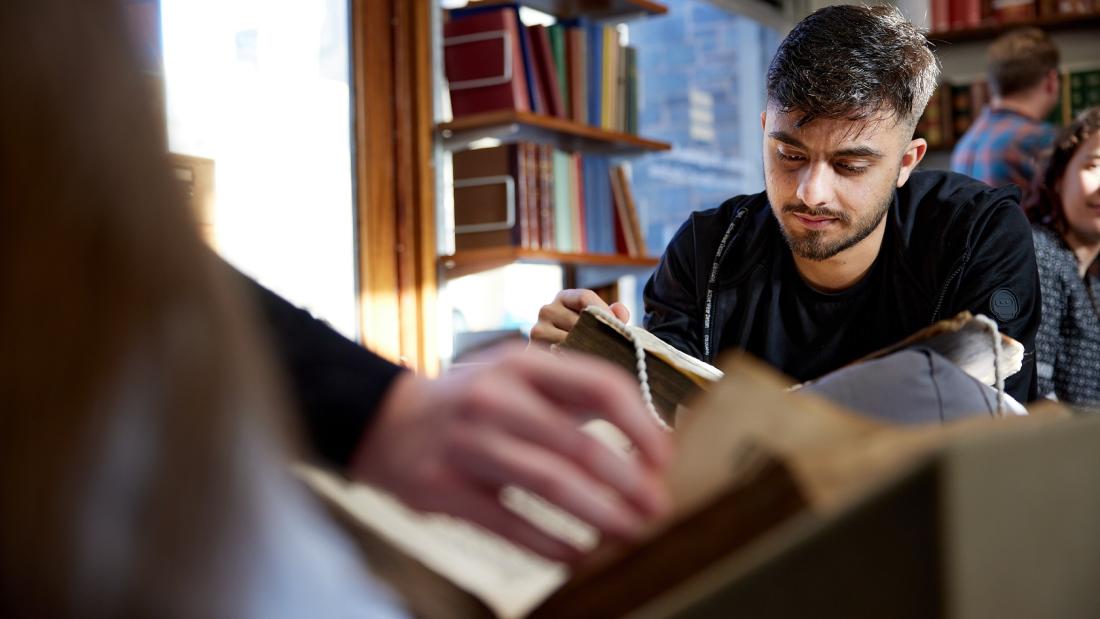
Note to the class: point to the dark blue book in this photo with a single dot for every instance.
(594, 35)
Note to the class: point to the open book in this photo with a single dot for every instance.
(674, 376)
(753, 458)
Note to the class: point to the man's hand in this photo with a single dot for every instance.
(450, 445)
(558, 318)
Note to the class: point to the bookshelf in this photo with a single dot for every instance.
(453, 139)
(513, 126)
(1053, 23)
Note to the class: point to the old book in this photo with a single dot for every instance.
(675, 376)
(968, 343)
(755, 462)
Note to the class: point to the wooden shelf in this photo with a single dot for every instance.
(513, 126)
(595, 9)
(1058, 22)
(473, 261)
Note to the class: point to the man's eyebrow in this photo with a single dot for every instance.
(865, 152)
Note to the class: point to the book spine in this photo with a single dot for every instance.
(594, 65)
(561, 68)
(546, 197)
(562, 207)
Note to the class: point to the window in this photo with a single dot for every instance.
(262, 89)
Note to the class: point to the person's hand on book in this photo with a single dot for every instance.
(557, 318)
(451, 444)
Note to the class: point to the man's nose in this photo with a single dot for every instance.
(815, 185)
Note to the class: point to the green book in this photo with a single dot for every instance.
(557, 50)
(563, 203)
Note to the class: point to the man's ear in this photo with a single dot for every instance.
(913, 155)
(763, 119)
(1051, 82)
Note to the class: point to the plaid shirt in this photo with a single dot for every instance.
(1002, 147)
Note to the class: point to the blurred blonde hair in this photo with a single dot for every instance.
(112, 315)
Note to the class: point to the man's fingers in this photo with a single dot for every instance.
(547, 333)
(590, 385)
(620, 311)
(541, 423)
(577, 299)
(496, 459)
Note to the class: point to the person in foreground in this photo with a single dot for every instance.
(146, 439)
(1064, 208)
(848, 249)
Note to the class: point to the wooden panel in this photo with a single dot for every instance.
(415, 184)
(513, 126)
(391, 55)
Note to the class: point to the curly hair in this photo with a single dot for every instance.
(852, 63)
(1044, 204)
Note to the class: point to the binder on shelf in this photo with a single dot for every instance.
(484, 62)
(490, 187)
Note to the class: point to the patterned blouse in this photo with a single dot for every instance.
(1068, 343)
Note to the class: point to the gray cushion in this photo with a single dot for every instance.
(912, 386)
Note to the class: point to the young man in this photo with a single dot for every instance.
(848, 250)
(1005, 141)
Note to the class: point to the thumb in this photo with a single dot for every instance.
(620, 311)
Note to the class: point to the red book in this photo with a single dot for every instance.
(941, 15)
(546, 70)
(484, 63)
(532, 238)
(546, 197)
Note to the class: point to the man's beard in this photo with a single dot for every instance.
(812, 244)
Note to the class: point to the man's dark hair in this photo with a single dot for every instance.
(1019, 60)
(853, 63)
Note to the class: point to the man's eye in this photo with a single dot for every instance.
(785, 157)
(848, 168)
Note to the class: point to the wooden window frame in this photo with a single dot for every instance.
(395, 179)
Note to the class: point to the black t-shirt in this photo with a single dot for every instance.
(816, 329)
(806, 333)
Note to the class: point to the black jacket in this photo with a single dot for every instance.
(952, 244)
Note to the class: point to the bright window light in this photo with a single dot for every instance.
(261, 87)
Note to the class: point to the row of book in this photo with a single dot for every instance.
(534, 196)
(967, 14)
(954, 107)
(573, 69)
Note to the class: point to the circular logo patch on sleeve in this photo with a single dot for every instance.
(1004, 304)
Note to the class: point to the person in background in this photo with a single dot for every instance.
(1064, 208)
(1007, 139)
(146, 433)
